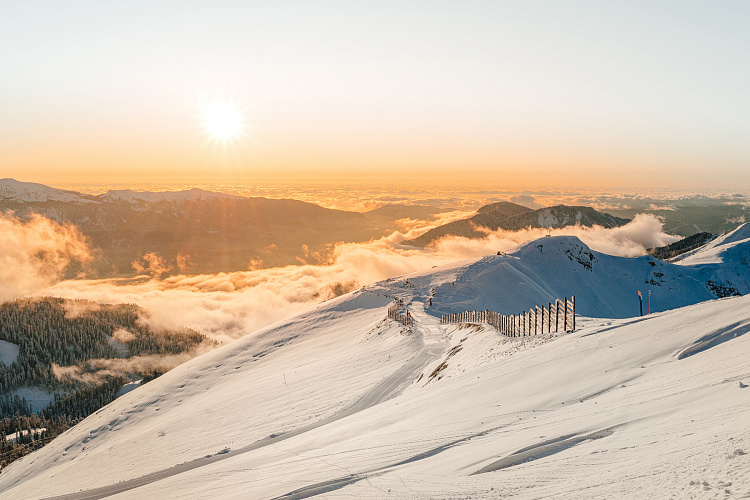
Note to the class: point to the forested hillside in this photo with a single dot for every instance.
(680, 247)
(57, 336)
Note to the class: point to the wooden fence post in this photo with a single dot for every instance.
(565, 315)
(549, 318)
(541, 324)
(574, 313)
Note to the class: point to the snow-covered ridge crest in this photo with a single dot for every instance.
(33, 192)
(730, 249)
(30, 192)
(194, 194)
(541, 270)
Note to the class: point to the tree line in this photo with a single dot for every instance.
(46, 332)
(681, 246)
(68, 333)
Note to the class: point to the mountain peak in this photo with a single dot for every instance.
(505, 206)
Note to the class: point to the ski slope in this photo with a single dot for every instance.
(341, 402)
(546, 269)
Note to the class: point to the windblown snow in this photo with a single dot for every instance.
(342, 402)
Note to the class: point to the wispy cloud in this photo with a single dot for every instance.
(36, 253)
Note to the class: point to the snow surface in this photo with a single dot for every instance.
(540, 271)
(16, 435)
(31, 192)
(8, 352)
(129, 387)
(38, 397)
(341, 401)
(131, 196)
(712, 252)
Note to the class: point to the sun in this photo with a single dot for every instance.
(223, 121)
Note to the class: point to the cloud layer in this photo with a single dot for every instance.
(226, 306)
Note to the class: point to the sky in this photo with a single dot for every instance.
(520, 94)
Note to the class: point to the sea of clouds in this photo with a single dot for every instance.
(34, 255)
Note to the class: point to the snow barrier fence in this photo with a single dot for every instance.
(394, 314)
(561, 313)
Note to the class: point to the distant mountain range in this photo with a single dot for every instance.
(198, 231)
(513, 217)
(195, 231)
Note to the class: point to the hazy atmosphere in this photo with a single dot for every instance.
(331, 249)
(538, 94)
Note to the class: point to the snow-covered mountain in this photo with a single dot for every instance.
(31, 192)
(513, 217)
(343, 401)
(540, 271)
(194, 194)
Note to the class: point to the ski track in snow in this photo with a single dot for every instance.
(431, 346)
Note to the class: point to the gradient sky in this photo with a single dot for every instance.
(589, 93)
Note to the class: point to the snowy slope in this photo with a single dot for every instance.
(33, 192)
(341, 401)
(8, 352)
(542, 270)
(729, 249)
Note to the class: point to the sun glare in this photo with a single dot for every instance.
(223, 121)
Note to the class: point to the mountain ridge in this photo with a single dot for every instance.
(194, 231)
(512, 217)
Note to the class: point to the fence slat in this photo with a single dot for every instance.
(512, 325)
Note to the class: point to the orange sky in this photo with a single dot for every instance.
(585, 94)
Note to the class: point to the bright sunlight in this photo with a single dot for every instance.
(223, 121)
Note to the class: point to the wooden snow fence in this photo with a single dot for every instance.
(561, 313)
(397, 316)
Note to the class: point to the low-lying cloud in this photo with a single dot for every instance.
(631, 240)
(96, 371)
(226, 306)
(36, 253)
(417, 227)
